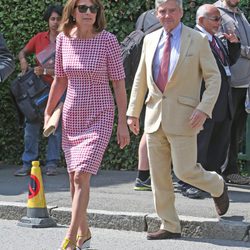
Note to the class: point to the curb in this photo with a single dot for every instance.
(192, 227)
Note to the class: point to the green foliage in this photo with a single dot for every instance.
(22, 19)
(245, 7)
(19, 21)
(121, 15)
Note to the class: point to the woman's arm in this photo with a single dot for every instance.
(123, 137)
(57, 90)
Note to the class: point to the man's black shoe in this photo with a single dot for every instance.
(193, 193)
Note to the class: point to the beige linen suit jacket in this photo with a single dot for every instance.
(173, 108)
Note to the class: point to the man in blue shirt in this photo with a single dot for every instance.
(173, 62)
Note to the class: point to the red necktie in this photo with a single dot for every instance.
(162, 78)
(217, 49)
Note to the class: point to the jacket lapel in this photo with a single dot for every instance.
(222, 48)
(153, 43)
(185, 44)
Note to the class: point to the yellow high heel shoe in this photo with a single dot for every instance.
(66, 243)
(86, 242)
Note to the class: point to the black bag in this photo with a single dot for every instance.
(131, 46)
(30, 94)
(147, 20)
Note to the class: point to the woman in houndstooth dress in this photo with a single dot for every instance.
(87, 57)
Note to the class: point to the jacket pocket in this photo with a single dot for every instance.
(188, 101)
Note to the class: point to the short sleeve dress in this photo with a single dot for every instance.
(88, 112)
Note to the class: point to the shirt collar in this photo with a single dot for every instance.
(176, 32)
(209, 36)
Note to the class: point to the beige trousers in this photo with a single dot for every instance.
(182, 152)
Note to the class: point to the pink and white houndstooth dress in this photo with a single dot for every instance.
(88, 112)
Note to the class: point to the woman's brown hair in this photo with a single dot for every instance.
(68, 22)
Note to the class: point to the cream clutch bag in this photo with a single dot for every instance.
(53, 121)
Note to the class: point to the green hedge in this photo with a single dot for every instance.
(20, 20)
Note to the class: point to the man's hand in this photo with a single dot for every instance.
(232, 38)
(133, 124)
(197, 119)
(38, 70)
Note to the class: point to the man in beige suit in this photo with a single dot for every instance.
(174, 112)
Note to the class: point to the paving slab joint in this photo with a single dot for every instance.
(50, 209)
(145, 223)
(247, 235)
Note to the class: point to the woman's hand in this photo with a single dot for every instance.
(123, 137)
(122, 133)
(46, 119)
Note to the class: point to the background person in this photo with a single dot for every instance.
(174, 112)
(213, 140)
(143, 180)
(234, 21)
(7, 65)
(36, 45)
(146, 21)
(87, 57)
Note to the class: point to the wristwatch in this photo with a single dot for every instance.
(45, 71)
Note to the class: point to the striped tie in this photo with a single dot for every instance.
(162, 78)
(217, 49)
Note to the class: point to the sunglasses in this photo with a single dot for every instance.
(215, 18)
(84, 8)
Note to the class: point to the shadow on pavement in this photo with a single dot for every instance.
(12, 185)
(222, 243)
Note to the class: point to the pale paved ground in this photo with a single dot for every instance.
(14, 237)
(113, 191)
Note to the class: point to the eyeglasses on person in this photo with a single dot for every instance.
(214, 18)
(84, 8)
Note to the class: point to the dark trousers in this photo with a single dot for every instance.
(213, 143)
(237, 129)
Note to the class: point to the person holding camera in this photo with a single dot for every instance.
(43, 46)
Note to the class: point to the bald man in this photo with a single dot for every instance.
(213, 140)
(232, 16)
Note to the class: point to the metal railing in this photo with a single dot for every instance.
(246, 155)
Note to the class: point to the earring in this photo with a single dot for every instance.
(73, 19)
